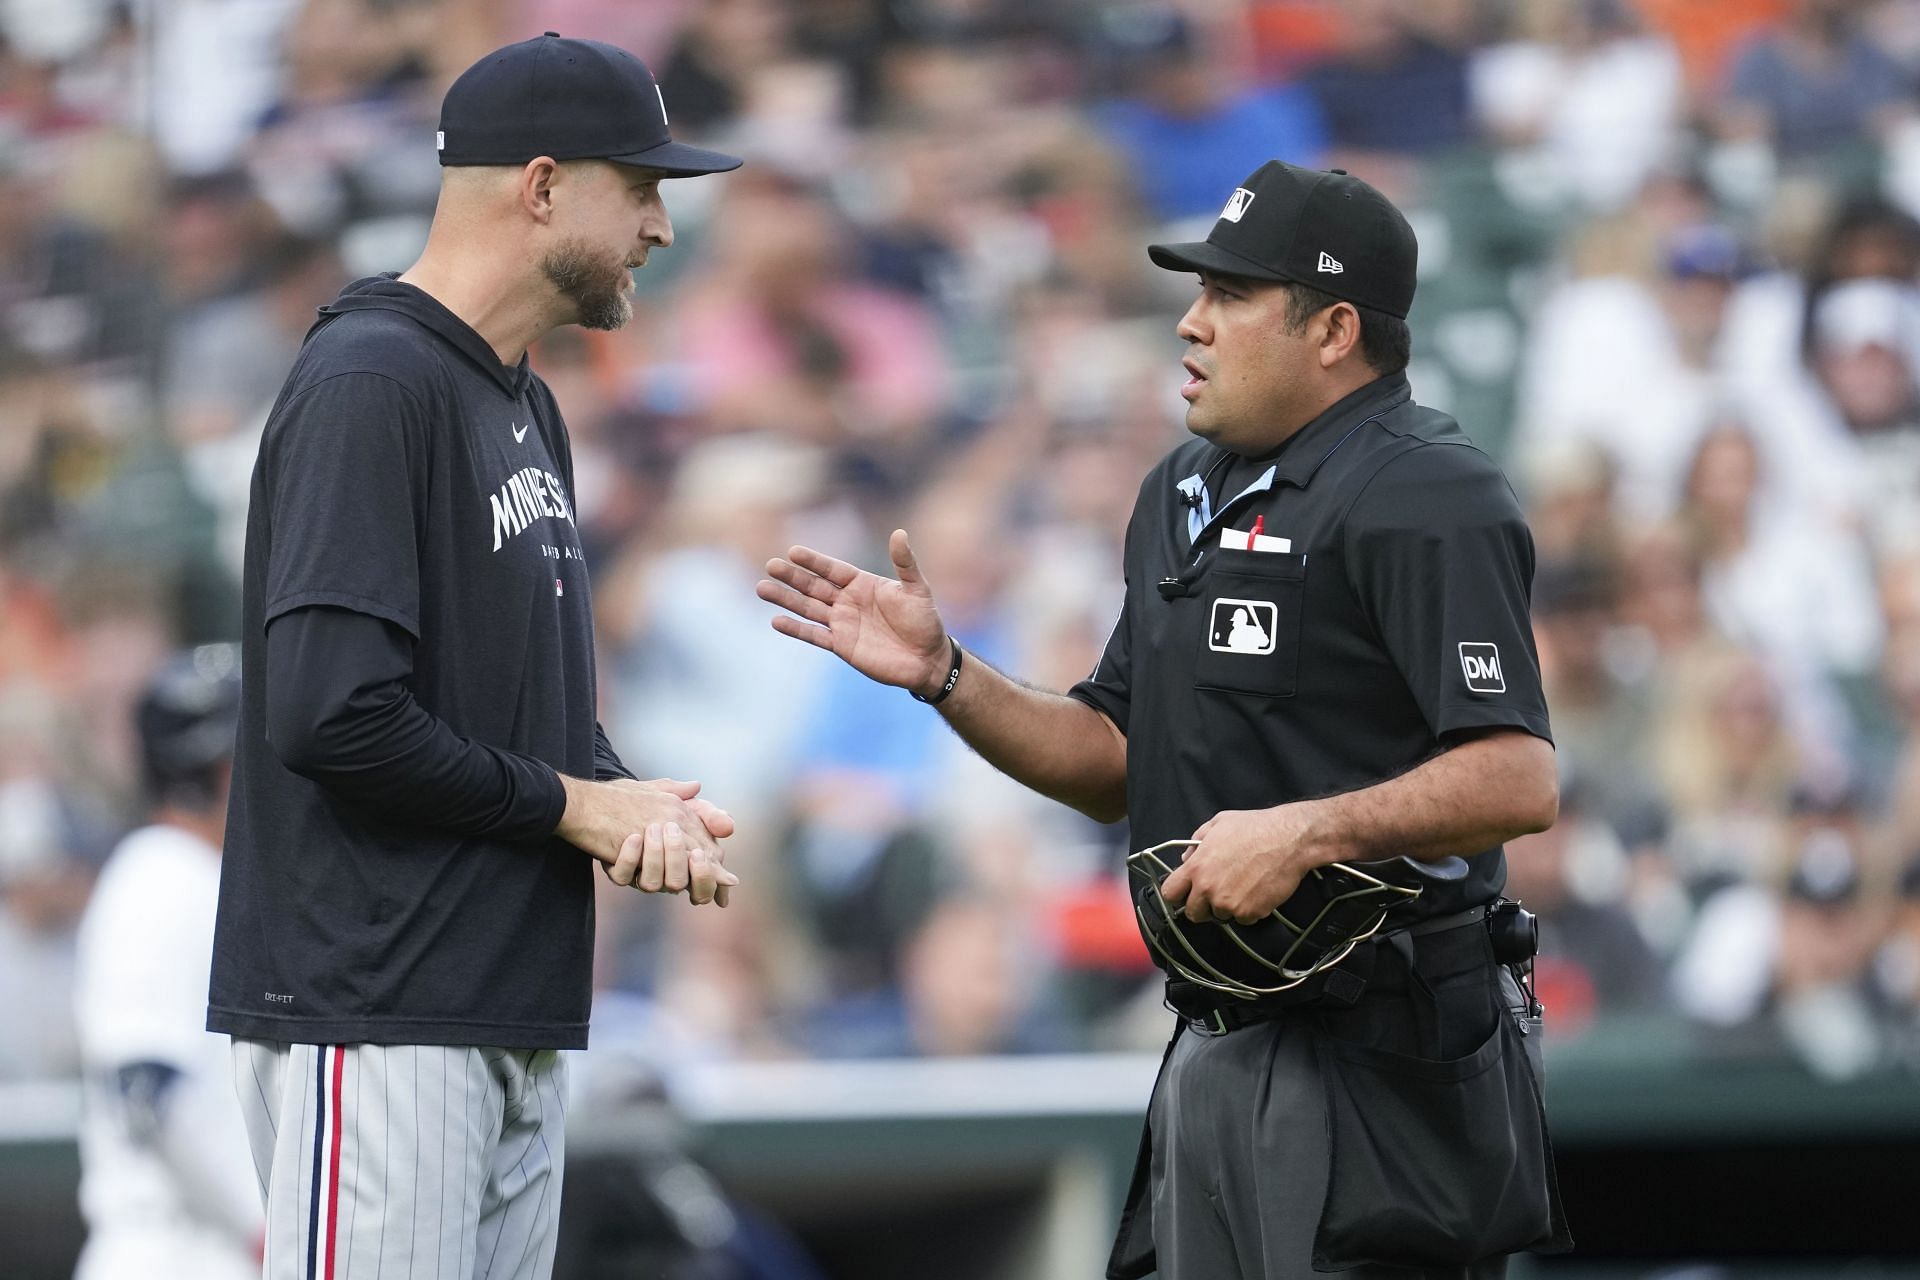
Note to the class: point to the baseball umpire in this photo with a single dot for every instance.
(1323, 672)
(420, 791)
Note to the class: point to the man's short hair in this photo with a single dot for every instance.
(1385, 341)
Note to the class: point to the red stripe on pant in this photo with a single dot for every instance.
(333, 1170)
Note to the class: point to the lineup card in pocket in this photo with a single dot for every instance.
(1245, 540)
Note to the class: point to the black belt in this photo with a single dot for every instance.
(1336, 986)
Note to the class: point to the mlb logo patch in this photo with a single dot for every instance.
(1481, 665)
(1243, 626)
(559, 587)
(1237, 204)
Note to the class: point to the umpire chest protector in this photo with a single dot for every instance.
(1381, 606)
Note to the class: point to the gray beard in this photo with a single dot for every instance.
(597, 290)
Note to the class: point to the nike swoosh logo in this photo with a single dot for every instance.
(520, 433)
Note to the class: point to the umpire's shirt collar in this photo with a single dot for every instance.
(1298, 457)
(1314, 443)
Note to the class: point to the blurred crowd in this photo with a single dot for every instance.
(1670, 277)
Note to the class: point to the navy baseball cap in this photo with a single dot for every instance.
(568, 99)
(1326, 229)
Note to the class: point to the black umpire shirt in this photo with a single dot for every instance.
(1389, 614)
(417, 663)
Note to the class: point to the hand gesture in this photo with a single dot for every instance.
(889, 631)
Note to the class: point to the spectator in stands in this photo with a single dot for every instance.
(1398, 83)
(1813, 82)
(335, 149)
(1630, 363)
(969, 983)
(1587, 91)
(1783, 583)
(1865, 359)
(1187, 123)
(43, 889)
(780, 336)
(1707, 36)
(1786, 970)
(1727, 764)
(1771, 346)
(1896, 969)
(682, 638)
(1601, 699)
(1866, 338)
(1593, 958)
(1900, 681)
(722, 44)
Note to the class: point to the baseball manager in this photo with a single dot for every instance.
(420, 791)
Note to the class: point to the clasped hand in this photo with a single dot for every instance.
(657, 836)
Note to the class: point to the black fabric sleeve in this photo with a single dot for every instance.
(344, 464)
(340, 714)
(606, 761)
(1439, 554)
(1109, 690)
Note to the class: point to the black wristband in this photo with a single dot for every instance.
(953, 678)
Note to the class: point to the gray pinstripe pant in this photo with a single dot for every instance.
(405, 1161)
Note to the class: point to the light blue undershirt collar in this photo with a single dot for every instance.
(1198, 518)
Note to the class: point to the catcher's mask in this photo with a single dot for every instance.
(1336, 908)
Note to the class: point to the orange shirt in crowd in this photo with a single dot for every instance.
(1708, 32)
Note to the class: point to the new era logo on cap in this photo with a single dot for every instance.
(1330, 264)
(1237, 204)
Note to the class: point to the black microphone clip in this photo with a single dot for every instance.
(1171, 588)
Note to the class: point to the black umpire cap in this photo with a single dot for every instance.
(1326, 229)
(568, 99)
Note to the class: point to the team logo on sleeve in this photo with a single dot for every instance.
(1481, 664)
(1243, 626)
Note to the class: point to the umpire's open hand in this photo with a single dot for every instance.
(889, 631)
(657, 836)
(1247, 863)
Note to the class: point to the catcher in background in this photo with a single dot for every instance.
(166, 1182)
(1324, 657)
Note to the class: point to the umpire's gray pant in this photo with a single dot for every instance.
(405, 1160)
(1240, 1150)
